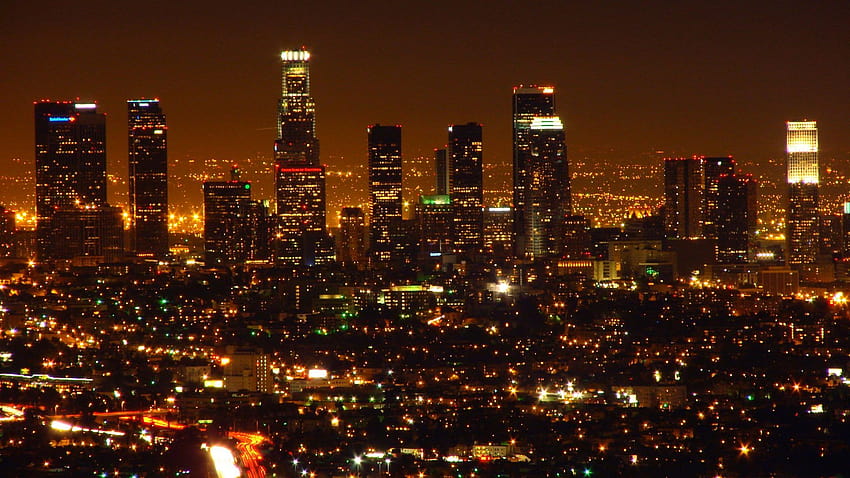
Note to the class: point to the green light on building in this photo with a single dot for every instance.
(436, 199)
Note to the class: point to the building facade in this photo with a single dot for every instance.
(70, 163)
(547, 189)
(528, 102)
(466, 187)
(802, 230)
(683, 197)
(148, 179)
(385, 196)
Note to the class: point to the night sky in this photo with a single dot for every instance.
(694, 77)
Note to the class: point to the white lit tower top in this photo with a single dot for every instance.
(296, 110)
(802, 147)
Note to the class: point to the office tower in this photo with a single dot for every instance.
(226, 205)
(713, 168)
(8, 241)
(735, 217)
(576, 237)
(441, 165)
(528, 102)
(296, 125)
(546, 189)
(148, 180)
(683, 188)
(70, 163)
(385, 200)
(89, 234)
(434, 223)
(301, 237)
(466, 187)
(802, 222)
(498, 232)
(351, 245)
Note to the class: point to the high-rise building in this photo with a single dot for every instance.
(296, 125)
(434, 222)
(89, 234)
(713, 168)
(528, 102)
(466, 187)
(148, 180)
(546, 189)
(70, 163)
(226, 204)
(498, 232)
(441, 165)
(735, 217)
(385, 199)
(576, 237)
(683, 193)
(351, 245)
(802, 221)
(301, 237)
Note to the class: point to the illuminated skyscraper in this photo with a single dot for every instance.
(683, 192)
(70, 163)
(466, 187)
(713, 168)
(301, 237)
(296, 125)
(385, 200)
(148, 180)
(528, 102)
(547, 188)
(802, 234)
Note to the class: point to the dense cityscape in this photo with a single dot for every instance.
(435, 313)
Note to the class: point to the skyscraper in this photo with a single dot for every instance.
(713, 168)
(226, 204)
(441, 166)
(70, 163)
(734, 217)
(683, 192)
(466, 187)
(89, 234)
(528, 102)
(385, 199)
(546, 188)
(299, 177)
(802, 221)
(148, 180)
(351, 245)
(434, 223)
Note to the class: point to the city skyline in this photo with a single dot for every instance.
(630, 110)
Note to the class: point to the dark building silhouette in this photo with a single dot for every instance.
(226, 221)
(735, 217)
(385, 196)
(441, 166)
(70, 164)
(466, 187)
(351, 244)
(683, 196)
(148, 179)
(90, 234)
(498, 232)
(434, 224)
(713, 168)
